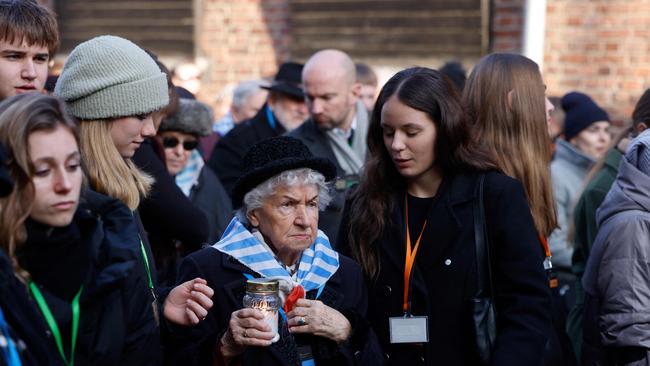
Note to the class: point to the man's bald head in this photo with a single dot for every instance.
(335, 62)
(331, 90)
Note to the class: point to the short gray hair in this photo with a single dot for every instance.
(244, 90)
(255, 198)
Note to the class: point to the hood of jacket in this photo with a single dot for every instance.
(565, 151)
(630, 191)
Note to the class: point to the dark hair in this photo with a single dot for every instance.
(642, 110)
(428, 91)
(365, 74)
(172, 107)
(455, 71)
(30, 22)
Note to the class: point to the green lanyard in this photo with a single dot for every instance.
(146, 265)
(51, 322)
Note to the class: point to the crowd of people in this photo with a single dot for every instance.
(443, 219)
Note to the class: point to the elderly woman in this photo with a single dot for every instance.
(179, 135)
(275, 235)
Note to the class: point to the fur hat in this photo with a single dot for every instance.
(273, 156)
(192, 117)
(581, 111)
(110, 77)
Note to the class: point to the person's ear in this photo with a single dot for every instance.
(253, 219)
(640, 127)
(510, 96)
(355, 90)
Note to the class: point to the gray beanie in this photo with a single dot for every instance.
(110, 77)
(638, 153)
(192, 117)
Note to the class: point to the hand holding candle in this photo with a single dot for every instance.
(247, 327)
(262, 295)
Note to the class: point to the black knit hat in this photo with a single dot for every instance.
(288, 80)
(580, 112)
(273, 156)
(5, 180)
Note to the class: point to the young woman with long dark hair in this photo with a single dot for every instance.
(411, 222)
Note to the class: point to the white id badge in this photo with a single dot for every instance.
(412, 329)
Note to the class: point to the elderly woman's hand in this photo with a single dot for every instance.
(245, 328)
(312, 316)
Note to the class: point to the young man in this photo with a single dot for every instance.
(29, 40)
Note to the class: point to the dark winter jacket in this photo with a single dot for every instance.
(25, 323)
(210, 196)
(345, 292)
(100, 251)
(227, 155)
(584, 219)
(616, 323)
(167, 214)
(318, 144)
(444, 279)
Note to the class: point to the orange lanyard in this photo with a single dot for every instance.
(544, 242)
(410, 257)
(548, 265)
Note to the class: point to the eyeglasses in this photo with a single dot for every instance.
(172, 142)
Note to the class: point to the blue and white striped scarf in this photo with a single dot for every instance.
(317, 264)
(189, 176)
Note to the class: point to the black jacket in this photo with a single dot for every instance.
(227, 156)
(116, 319)
(167, 214)
(319, 146)
(210, 196)
(444, 277)
(345, 291)
(24, 320)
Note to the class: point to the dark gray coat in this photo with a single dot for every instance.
(617, 277)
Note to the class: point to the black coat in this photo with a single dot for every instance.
(116, 324)
(167, 214)
(26, 325)
(444, 278)
(227, 155)
(210, 196)
(318, 144)
(345, 291)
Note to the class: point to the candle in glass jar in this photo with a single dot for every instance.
(262, 295)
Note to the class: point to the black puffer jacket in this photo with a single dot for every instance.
(100, 251)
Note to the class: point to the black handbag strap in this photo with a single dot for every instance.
(483, 265)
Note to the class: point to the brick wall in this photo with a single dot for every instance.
(239, 40)
(507, 25)
(601, 47)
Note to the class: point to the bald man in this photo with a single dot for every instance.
(337, 125)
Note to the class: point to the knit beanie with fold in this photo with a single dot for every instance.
(110, 77)
(580, 112)
(638, 153)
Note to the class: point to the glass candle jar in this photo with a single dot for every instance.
(262, 294)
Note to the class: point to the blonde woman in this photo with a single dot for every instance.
(77, 255)
(114, 87)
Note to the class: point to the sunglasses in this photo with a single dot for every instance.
(172, 142)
